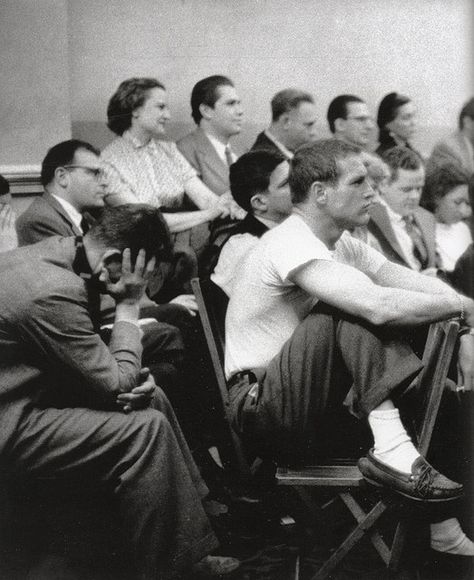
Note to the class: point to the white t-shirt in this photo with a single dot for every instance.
(232, 255)
(265, 306)
(451, 242)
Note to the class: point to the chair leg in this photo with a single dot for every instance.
(352, 539)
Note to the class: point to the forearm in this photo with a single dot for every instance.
(184, 220)
(200, 194)
(394, 276)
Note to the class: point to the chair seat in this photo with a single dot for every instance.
(321, 475)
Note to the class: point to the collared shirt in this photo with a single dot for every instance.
(286, 152)
(221, 147)
(404, 240)
(71, 211)
(154, 172)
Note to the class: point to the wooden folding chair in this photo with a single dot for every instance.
(431, 381)
(345, 479)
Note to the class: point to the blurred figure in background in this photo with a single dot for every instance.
(8, 237)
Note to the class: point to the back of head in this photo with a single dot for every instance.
(440, 180)
(388, 108)
(60, 155)
(317, 161)
(338, 109)
(250, 174)
(401, 158)
(466, 111)
(288, 99)
(133, 226)
(130, 95)
(206, 92)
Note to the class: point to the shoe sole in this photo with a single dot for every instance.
(411, 497)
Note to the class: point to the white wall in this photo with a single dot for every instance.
(34, 72)
(369, 47)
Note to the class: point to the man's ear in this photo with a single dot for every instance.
(319, 191)
(61, 176)
(339, 124)
(259, 202)
(285, 120)
(206, 111)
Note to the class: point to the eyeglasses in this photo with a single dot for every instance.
(97, 172)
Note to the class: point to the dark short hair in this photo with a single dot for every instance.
(4, 186)
(60, 155)
(288, 99)
(466, 111)
(317, 161)
(206, 92)
(440, 180)
(388, 108)
(134, 226)
(401, 157)
(130, 95)
(250, 174)
(338, 109)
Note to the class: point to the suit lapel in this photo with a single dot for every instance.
(427, 228)
(380, 219)
(210, 157)
(54, 203)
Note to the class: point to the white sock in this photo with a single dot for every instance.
(449, 538)
(392, 445)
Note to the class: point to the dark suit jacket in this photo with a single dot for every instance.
(249, 225)
(44, 217)
(200, 152)
(47, 337)
(263, 142)
(381, 228)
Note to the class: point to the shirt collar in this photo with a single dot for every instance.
(71, 211)
(135, 141)
(392, 215)
(218, 145)
(286, 152)
(266, 222)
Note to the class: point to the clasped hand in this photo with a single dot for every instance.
(141, 396)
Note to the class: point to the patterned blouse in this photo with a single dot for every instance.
(154, 172)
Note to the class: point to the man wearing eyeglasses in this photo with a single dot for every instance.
(350, 121)
(74, 184)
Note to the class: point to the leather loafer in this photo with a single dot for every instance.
(423, 484)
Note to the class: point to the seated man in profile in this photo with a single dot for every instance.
(293, 123)
(315, 322)
(259, 184)
(71, 407)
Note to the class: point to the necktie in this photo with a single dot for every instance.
(228, 155)
(419, 247)
(84, 225)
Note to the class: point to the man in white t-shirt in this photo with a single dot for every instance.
(312, 315)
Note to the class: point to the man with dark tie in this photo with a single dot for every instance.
(217, 111)
(398, 227)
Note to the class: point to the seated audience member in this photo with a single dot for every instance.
(462, 277)
(315, 321)
(259, 184)
(74, 408)
(349, 120)
(398, 227)
(459, 147)
(217, 111)
(293, 122)
(396, 119)
(141, 167)
(446, 195)
(8, 236)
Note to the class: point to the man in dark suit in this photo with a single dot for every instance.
(217, 111)
(398, 227)
(293, 122)
(72, 178)
(459, 147)
(259, 184)
(71, 407)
